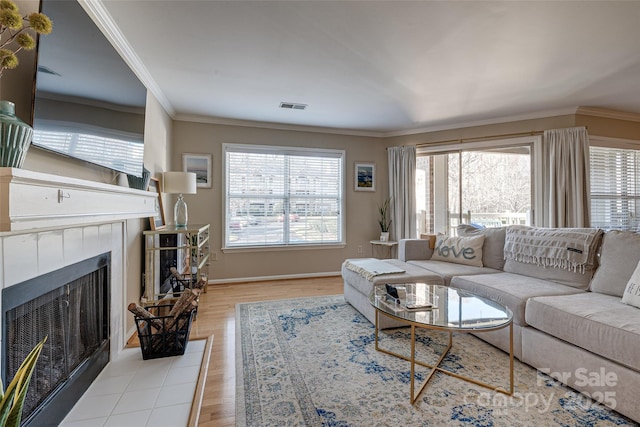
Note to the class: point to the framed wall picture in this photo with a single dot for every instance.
(157, 221)
(200, 164)
(365, 177)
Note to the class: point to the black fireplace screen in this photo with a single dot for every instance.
(74, 316)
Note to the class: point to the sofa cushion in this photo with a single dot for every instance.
(447, 270)
(631, 294)
(409, 249)
(412, 274)
(460, 250)
(619, 255)
(599, 323)
(511, 290)
(493, 247)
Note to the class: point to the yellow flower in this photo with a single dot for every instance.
(8, 4)
(26, 41)
(10, 18)
(40, 23)
(14, 32)
(8, 59)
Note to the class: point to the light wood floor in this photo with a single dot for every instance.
(216, 315)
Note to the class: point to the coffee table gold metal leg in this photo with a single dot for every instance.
(511, 359)
(434, 368)
(376, 326)
(413, 360)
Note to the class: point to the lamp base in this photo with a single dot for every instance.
(180, 212)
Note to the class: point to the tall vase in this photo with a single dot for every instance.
(15, 137)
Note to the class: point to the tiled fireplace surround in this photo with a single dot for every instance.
(26, 255)
(49, 222)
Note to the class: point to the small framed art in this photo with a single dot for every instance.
(200, 164)
(365, 177)
(157, 222)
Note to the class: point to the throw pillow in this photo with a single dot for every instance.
(493, 247)
(619, 256)
(461, 250)
(631, 295)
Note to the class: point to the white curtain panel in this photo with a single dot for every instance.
(402, 190)
(566, 179)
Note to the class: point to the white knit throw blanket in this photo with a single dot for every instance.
(566, 248)
(371, 267)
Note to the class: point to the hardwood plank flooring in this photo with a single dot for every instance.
(216, 315)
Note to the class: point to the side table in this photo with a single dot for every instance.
(389, 245)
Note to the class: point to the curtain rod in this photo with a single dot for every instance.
(483, 138)
(480, 138)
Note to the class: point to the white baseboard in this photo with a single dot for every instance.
(280, 277)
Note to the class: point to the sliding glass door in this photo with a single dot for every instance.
(484, 186)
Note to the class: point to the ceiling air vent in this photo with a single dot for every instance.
(292, 106)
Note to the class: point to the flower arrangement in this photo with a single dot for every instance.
(14, 32)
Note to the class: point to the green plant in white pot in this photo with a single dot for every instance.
(13, 398)
(384, 220)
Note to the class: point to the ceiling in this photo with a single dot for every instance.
(383, 67)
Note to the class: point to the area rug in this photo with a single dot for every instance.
(312, 362)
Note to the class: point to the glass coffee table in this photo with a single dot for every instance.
(446, 309)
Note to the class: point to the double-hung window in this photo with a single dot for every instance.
(615, 186)
(283, 196)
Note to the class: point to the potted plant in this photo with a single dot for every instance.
(384, 220)
(13, 398)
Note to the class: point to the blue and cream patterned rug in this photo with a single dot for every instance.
(312, 362)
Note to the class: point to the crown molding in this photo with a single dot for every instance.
(276, 126)
(608, 114)
(373, 134)
(103, 19)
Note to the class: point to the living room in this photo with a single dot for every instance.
(168, 135)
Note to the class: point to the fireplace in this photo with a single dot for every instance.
(71, 306)
(50, 222)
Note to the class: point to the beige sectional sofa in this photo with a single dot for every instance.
(569, 323)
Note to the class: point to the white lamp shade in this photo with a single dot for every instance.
(179, 182)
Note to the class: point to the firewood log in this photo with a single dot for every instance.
(182, 305)
(200, 284)
(175, 273)
(142, 312)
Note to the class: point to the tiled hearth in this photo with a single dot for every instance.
(137, 393)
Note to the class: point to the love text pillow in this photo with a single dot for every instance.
(461, 250)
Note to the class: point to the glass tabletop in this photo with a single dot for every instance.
(441, 306)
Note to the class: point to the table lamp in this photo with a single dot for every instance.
(180, 183)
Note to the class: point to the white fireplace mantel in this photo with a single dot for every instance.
(33, 200)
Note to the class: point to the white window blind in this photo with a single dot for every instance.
(279, 196)
(615, 188)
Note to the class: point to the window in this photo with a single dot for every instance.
(487, 184)
(279, 196)
(615, 188)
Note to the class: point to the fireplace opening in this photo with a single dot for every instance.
(71, 307)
